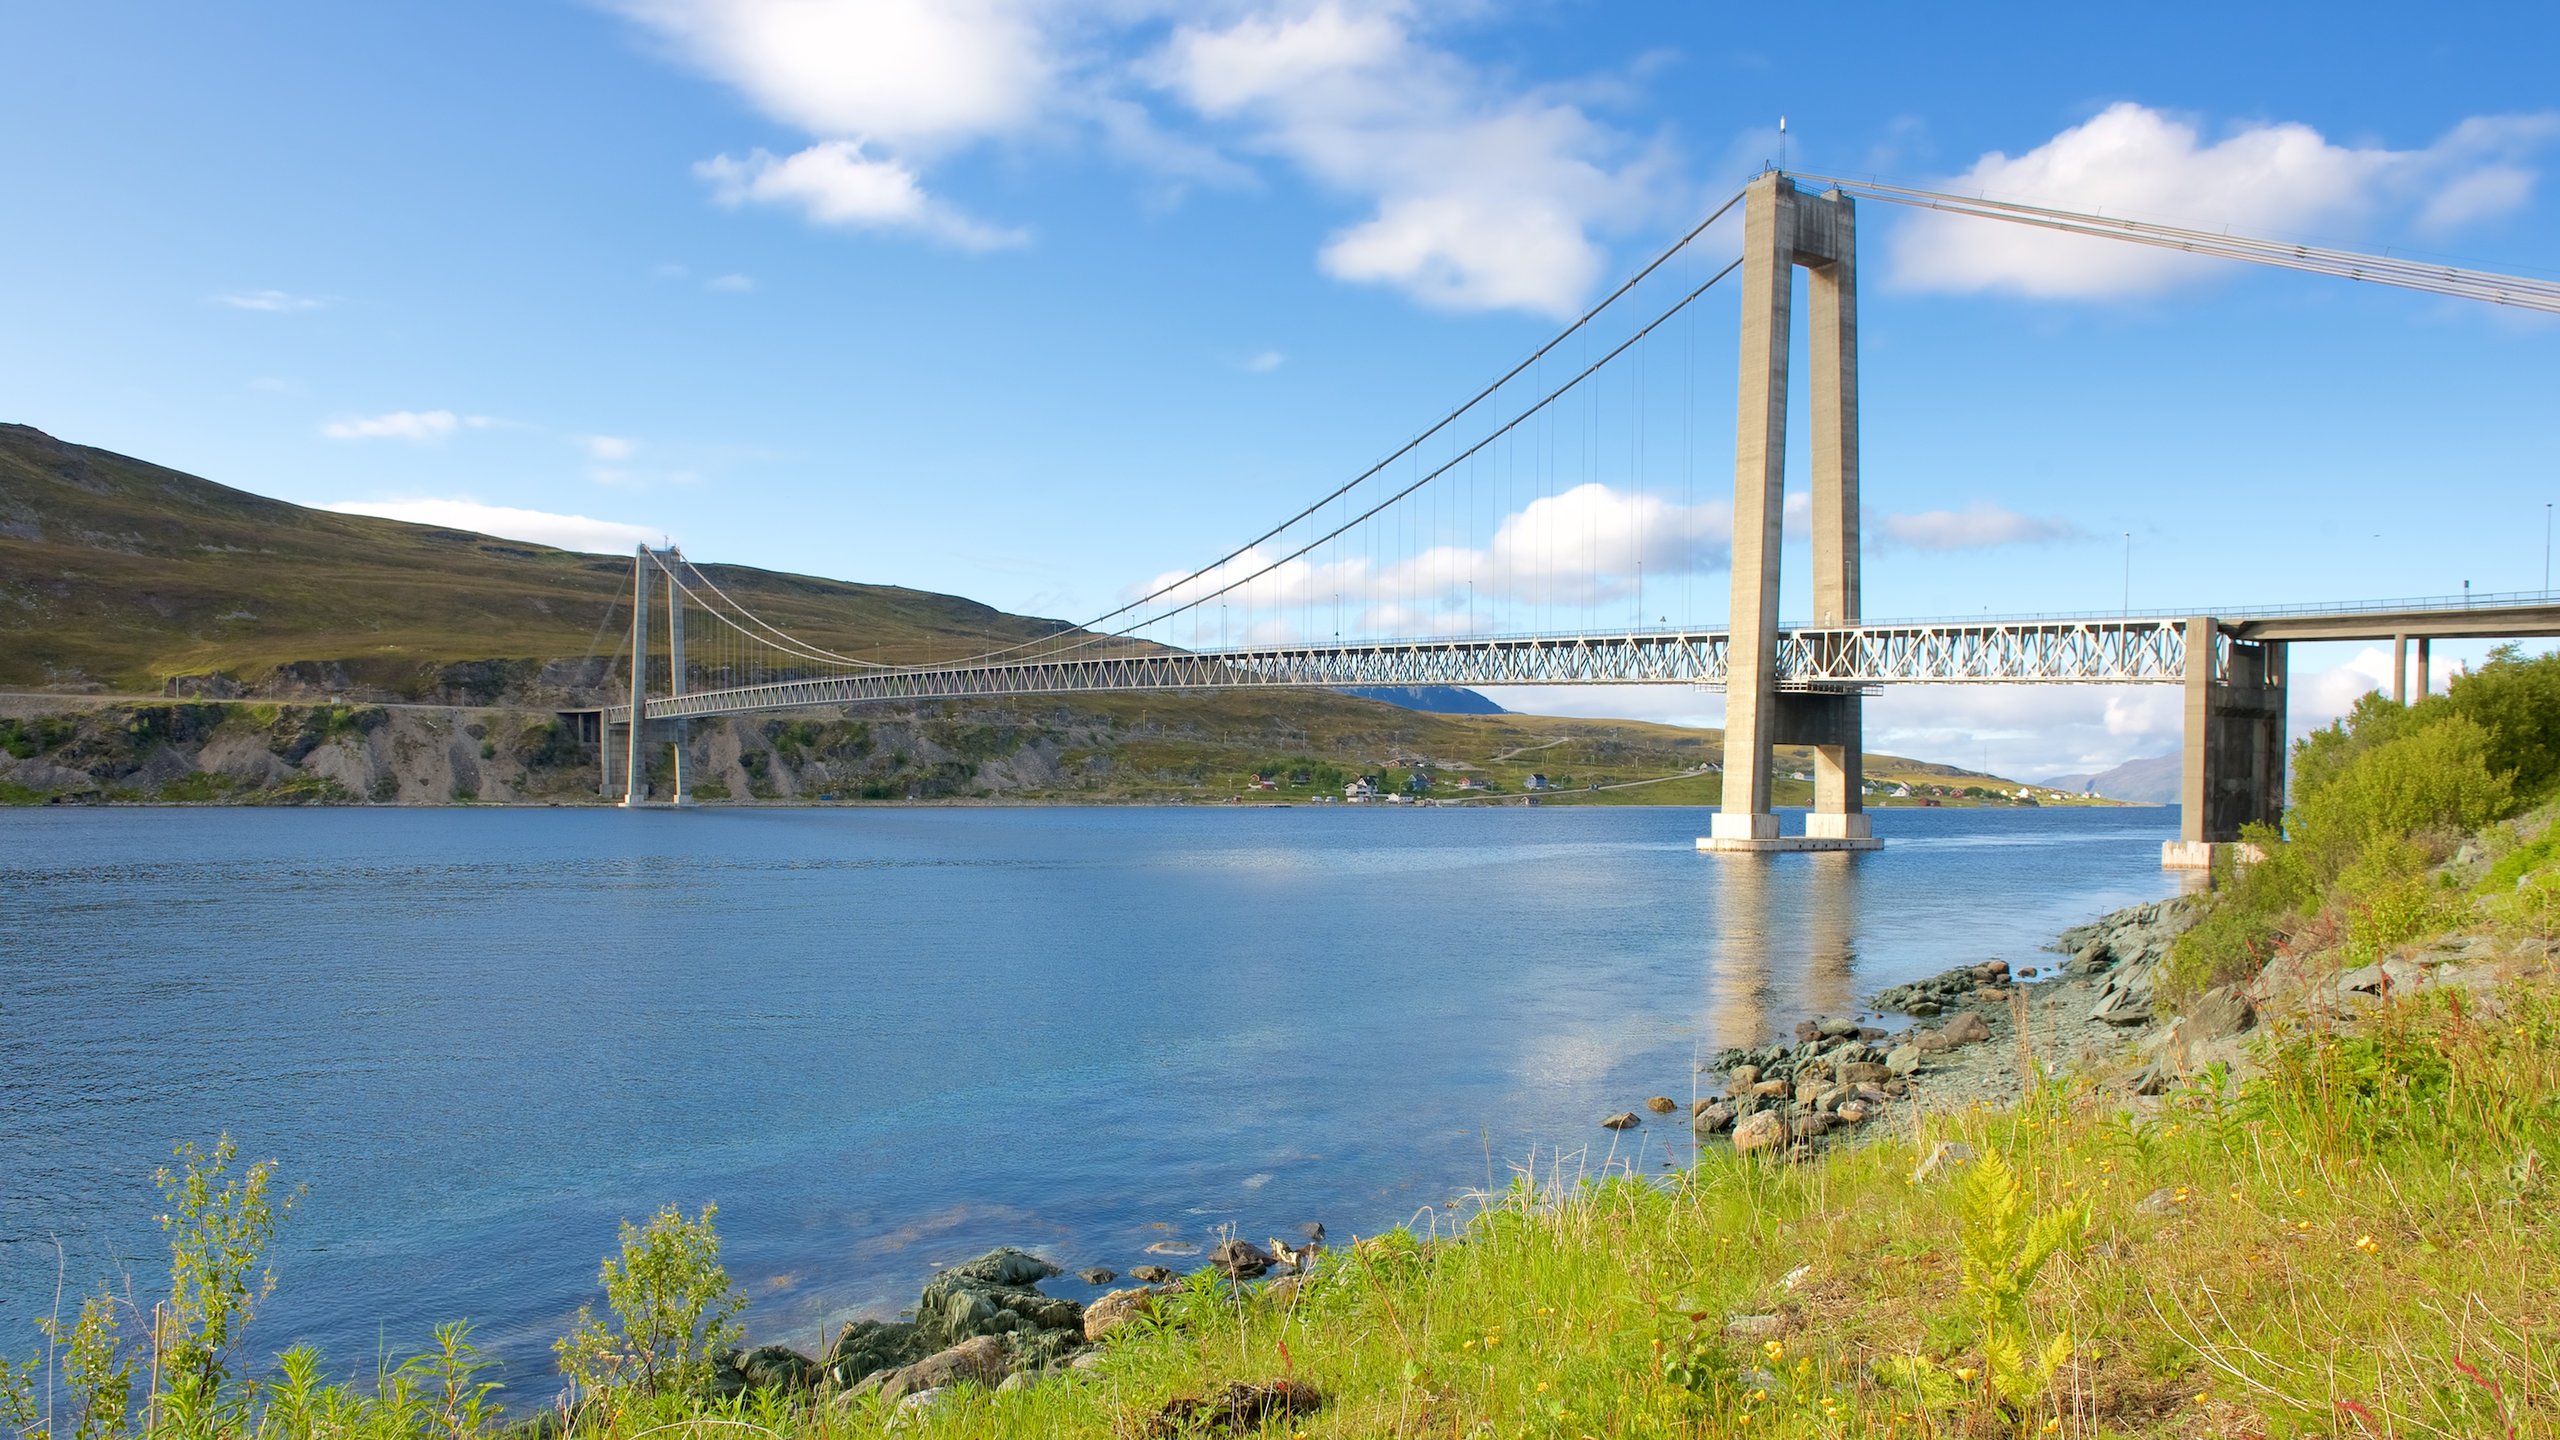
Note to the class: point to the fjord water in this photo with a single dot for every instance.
(885, 1039)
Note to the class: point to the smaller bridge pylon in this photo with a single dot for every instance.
(646, 563)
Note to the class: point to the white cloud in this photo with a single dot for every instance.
(1588, 546)
(2483, 194)
(1484, 200)
(880, 84)
(1976, 527)
(905, 72)
(1263, 362)
(422, 427)
(2273, 179)
(611, 447)
(1483, 197)
(2313, 700)
(274, 302)
(834, 183)
(541, 527)
(732, 284)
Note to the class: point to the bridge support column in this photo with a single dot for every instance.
(2399, 669)
(635, 777)
(1782, 228)
(675, 678)
(2233, 773)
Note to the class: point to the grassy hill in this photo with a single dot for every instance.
(121, 574)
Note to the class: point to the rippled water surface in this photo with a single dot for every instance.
(886, 1039)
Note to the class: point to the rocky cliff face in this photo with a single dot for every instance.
(198, 751)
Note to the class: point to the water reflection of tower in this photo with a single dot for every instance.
(1739, 962)
(1784, 934)
(1830, 897)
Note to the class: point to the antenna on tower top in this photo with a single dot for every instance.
(1782, 142)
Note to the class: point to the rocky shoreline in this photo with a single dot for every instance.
(987, 1323)
(1989, 1027)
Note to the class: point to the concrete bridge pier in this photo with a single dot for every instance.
(2233, 773)
(1782, 228)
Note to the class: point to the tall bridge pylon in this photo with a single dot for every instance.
(1784, 227)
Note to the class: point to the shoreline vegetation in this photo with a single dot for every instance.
(2273, 1160)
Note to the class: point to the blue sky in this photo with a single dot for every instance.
(1036, 302)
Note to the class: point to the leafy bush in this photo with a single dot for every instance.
(2378, 798)
(673, 1311)
(219, 1226)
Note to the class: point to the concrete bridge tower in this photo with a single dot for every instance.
(1784, 227)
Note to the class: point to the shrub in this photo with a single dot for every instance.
(673, 1310)
(2516, 703)
(219, 1226)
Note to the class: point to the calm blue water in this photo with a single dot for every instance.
(886, 1039)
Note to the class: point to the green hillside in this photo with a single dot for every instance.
(119, 573)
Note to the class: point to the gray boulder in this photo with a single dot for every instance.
(1240, 1259)
(2219, 1013)
(993, 1295)
(868, 1347)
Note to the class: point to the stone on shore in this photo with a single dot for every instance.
(1117, 1309)
(1098, 1275)
(1966, 1029)
(1623, 1120)
(2218, 1014)
(1714, 1117)
(1240, 1259)
(868, 1347)
(1905, 1060)
(993, 1295)
(1151, 1274)
(1763, 1131)
(984, 1361)
(1662, 1104)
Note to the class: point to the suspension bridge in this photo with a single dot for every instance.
(1541, 533)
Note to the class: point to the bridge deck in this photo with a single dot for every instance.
(2058, 650)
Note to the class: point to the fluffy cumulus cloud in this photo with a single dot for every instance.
(541, 527)
(1591, 545)
(1479, 195)
(1482, 199)
(420, 427)
(2274, 179)
(1978, 526)
(835, 183)
(880, 85)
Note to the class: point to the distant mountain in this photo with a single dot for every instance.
(1429, 699)
(2153, 781)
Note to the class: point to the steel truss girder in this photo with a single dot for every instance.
(2060, 652)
